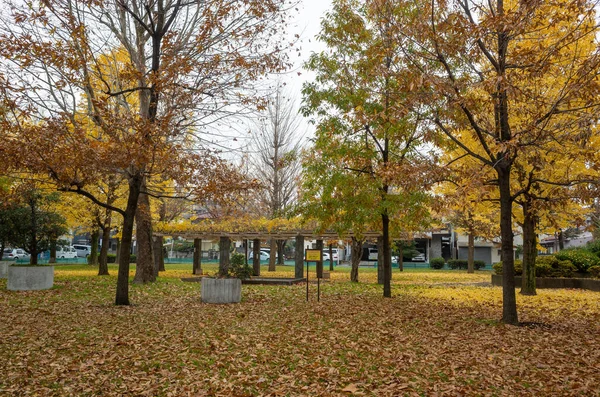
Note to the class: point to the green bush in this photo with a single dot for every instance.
(478, 264)
(543, 269)
(112, 258)
(518, 267)
(464, 264)
(595, 271)
(581, 258)
(594, 247)
(238, 267)
(551, 266)
(437, 263)
(457, 264)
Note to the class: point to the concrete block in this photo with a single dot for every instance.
(4, 268)
(30, 278)
(221, 290)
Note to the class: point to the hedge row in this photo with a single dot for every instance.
(438, 263)
(545, 266)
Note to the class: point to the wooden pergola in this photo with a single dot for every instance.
(256, 236)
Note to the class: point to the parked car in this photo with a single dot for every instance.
(83, 251)
(373, 254)
(264, 256)
(15, 253)
(419, 258)
(66, 252)
(335, 253)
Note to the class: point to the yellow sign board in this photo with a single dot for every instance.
(313, 255)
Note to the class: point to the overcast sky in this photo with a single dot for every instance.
(306, 23)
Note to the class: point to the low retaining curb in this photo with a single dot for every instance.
(30, 278)
(590, 284)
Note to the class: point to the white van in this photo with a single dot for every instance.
(66, 253)
(83, 251)
(373, 254)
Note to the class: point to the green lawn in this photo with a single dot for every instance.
(438, 335)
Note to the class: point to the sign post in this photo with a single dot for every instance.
(312, 256)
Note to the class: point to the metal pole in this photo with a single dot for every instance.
(307, 267)
(318, 290)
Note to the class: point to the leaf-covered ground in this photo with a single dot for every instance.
(438, 335)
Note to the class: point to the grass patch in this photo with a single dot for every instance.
(439, 334)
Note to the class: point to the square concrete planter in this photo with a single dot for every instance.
(30, 278)
(4, 269)
(221, 290)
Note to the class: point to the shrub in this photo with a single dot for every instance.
(478, 264)
(457, 264)
(543, 269)
(593, 247)
(518, 267)
(545, 266)
(112, 258)
(437, 263)
(238, 267)
(464, 264)
(563, 269)
(581, 258)
(595, 271)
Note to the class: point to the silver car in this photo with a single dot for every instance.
(15, 253)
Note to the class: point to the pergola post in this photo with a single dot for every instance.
(272, 254)
(320, 264)
(197, 264)
(256, 257)
(224, 247)
(299, 257)
(331, 257)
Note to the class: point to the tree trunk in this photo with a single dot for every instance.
(272, 254)
(161, 254)
(157, 253)
(103, 260)
(320, 263)
(280, 249)
(299, 268)
(330, 257)
(33, 250)
(356, 248)
(401, 258)
(561, 240)
(52, 258)
(509, 299)
(144, 266)
(93, 257)
(224, 247)
(118, 255)
(122, 297)
(471, 253)
(387, 258)
(380, 269)
(197, 261)
(529, 250)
